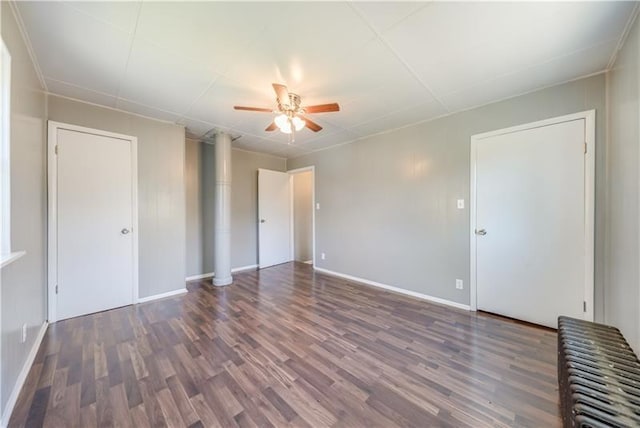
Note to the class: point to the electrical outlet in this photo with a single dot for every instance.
(24, 333)
(460, 204)
(322, 256)
(459, 284)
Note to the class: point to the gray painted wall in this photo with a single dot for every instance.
(161, 188)
(623, 278)
(23, 290)
(388, 202)
(302, 216)
(193, 194)
(244, 204)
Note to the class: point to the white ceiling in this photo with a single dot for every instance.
(387, 64)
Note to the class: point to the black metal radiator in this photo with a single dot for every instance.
(598, 375)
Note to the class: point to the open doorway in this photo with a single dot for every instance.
(302, 216)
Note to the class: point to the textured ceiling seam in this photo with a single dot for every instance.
(260, 153)
(520, 94)
(397, 23)
(198, 98)
(119, 110)
(222, 74)
(397, 55)
(96, 17)
(176, 114)
(27, 42)
(51, 79)
(133, 39)
(623, 36)
(528, 67)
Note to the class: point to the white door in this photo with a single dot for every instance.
(94, 223)
(530, 202)
(274, 216)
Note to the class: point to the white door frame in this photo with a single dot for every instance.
(589, 117)
(292, 172)
(52, 274)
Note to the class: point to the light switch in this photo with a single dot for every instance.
(460, 204)
(318, 205)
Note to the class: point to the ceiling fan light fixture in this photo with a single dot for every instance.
(286, 129)
(297, 123)
(285, 126)
(282, 121)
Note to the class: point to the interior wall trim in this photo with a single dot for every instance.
(22, 376)
(212, 274)
(399, 290)
(28, 44)
(623, 37)
(241, 268)
(201, 276)
(119, 110)
(162, 295)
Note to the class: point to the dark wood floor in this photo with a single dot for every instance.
(287, 347)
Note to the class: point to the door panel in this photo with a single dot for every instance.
(95, 212)
(274, 216)
(530, 199)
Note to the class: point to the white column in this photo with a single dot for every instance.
(222, 229)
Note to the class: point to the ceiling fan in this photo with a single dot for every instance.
(290, 114)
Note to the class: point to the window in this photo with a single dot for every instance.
(5, 110)
(6, 255)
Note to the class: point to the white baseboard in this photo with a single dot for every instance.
(243, 268)
(396, 289)
(197, 277)
(162, 295)
(212, 274)
(22, 376)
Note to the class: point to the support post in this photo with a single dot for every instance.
(222, 237)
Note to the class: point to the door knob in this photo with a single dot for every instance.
(481, 232)
(125, 231)
(262, 220)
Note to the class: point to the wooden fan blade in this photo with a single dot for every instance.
(266, 110)
(282, 93)
(271, 127)
(311, 124)
(322, 108)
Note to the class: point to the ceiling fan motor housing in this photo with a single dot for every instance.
(293, 104)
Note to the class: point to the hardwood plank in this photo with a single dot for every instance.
(27, 396)
(134, 398)
(88, 416)
(151, 405)
(104, 409)
(188, 413)
(139, 417)
(207, 417)
(88, 385)
(121, 413)
(169, 409)
(283, 408)
(37, 411)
